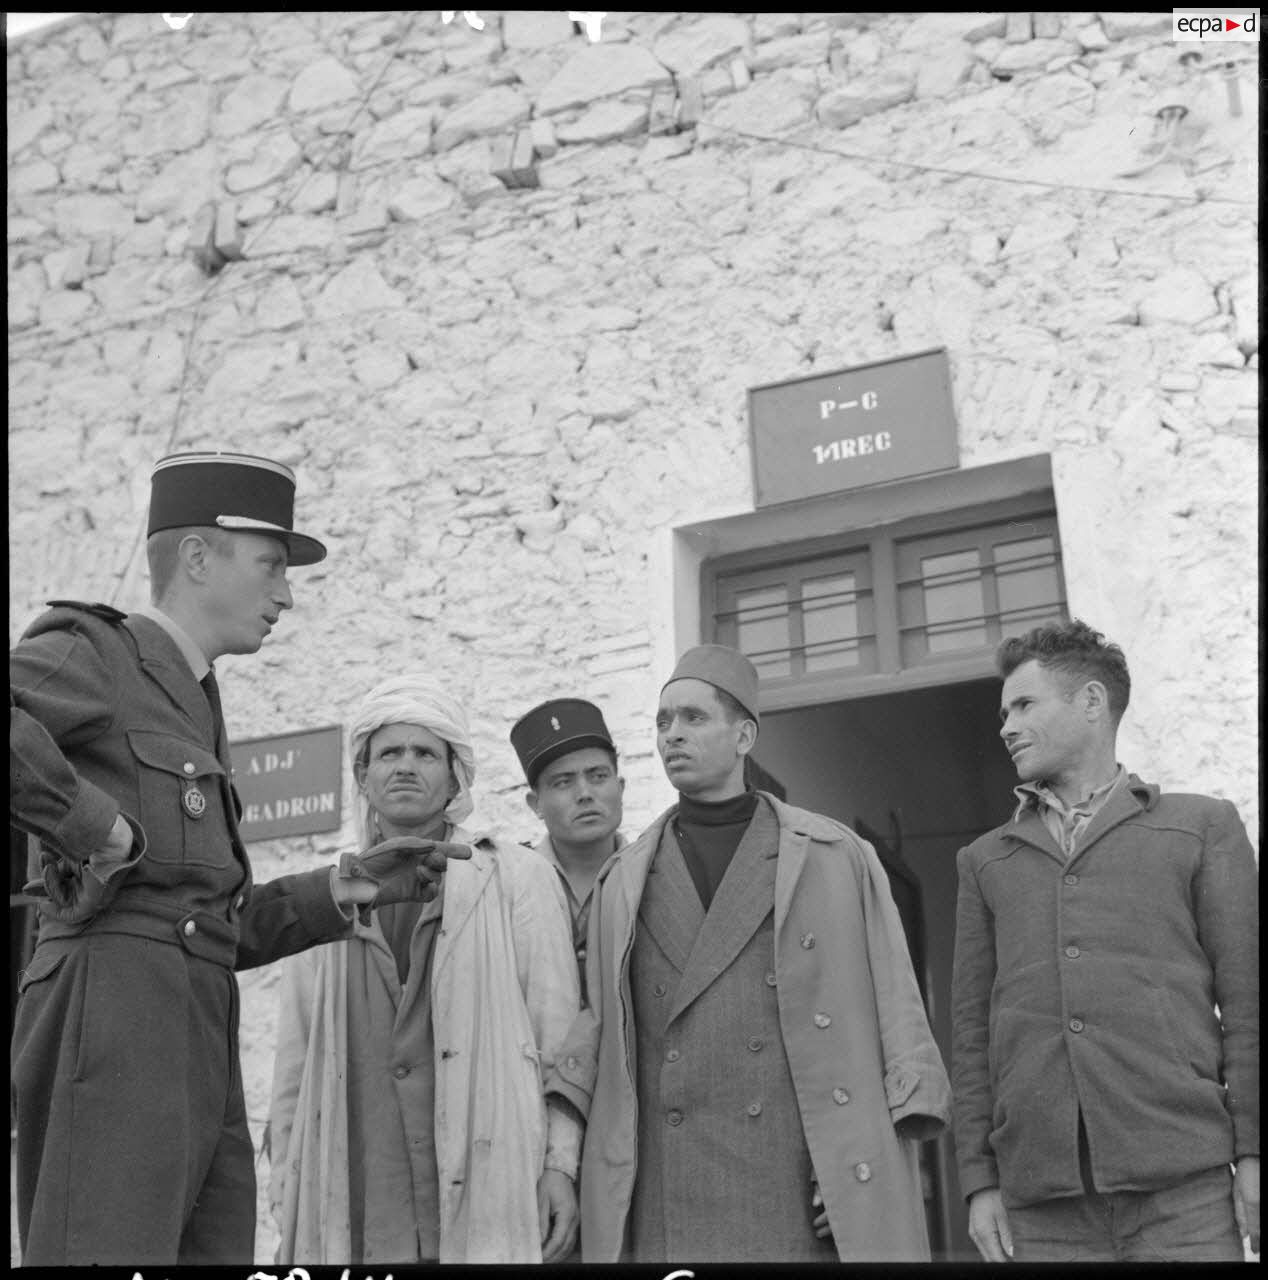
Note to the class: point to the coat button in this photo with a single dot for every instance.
(188, 766)
(659, 989)
(755, 1043)
(672, 1055)
(807, 940)
(1076, 1024)
(571, 1064)
(770, 979)
(674, 1118)
(840, 1097)
(754, 1108)
(1072, 952)
(863, 1171)
(822, 1020)
(1071, 879)
(400, 1072)
(190, 928)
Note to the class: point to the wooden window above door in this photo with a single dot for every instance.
(920, 601)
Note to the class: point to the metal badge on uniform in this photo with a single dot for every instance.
(194, 801)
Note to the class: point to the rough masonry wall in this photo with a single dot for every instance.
(499, 399)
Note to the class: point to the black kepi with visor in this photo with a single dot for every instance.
(235, 491)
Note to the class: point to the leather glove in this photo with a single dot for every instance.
(403, 869)
(73, 891)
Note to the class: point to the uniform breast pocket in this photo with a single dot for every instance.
(182, 794)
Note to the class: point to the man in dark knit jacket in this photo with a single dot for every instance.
(1105, 996)
(755, 1064)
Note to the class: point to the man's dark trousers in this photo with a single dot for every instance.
(133, 1126)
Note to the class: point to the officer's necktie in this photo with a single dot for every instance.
(212, 690)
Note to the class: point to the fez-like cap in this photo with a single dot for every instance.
(723, 668)
(555, 728)
(235, 491)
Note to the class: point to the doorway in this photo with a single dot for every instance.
(922, 772)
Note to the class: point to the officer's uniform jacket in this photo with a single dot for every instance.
(133, 1146)
(106, 717)
(810, 919)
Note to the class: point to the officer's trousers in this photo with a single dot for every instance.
(132, 1141)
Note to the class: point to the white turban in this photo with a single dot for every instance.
(415, 700)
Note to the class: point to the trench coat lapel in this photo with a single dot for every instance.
(465, 881)
(742, 902)
(164, 663)
(671, 910)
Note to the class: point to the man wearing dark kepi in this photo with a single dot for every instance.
(132, 1141)
(755, 1065)
(569, 762)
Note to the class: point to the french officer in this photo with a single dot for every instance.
(132, 1141)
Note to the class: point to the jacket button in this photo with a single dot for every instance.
(822, 1020)
(754, 1108)
(770, 979)
(659, 989)
(571, 1064)
(400, 1072)
(190, 928)
(1070, 879)
(807, 940)
(188, 766)
(1072, 952)
(674, 1118)
(755, 1043)
(840, 1097)
(672, 1055)
(1076, 1024)
(863, 1171)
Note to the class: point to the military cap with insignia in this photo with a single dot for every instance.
(555, 728)
(235, 491)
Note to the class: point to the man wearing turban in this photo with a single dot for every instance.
(408, 1122)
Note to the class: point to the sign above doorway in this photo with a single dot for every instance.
(852, 428)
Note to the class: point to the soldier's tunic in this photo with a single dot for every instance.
(132, 1141)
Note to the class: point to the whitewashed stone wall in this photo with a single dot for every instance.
(498, 400)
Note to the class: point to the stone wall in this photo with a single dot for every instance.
(498, 397)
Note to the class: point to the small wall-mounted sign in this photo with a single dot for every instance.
(855, 427)
(290, 784)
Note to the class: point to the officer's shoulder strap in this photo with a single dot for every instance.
(105, 611)
(100, 621)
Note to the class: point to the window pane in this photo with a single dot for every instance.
(1028, 581)
(953, 601)
(761, 621)
(830, 622)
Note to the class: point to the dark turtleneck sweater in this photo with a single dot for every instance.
(708, 833)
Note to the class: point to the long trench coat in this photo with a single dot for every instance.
(839, 950)
(503, 994)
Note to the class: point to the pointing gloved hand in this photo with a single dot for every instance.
(402, 869)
